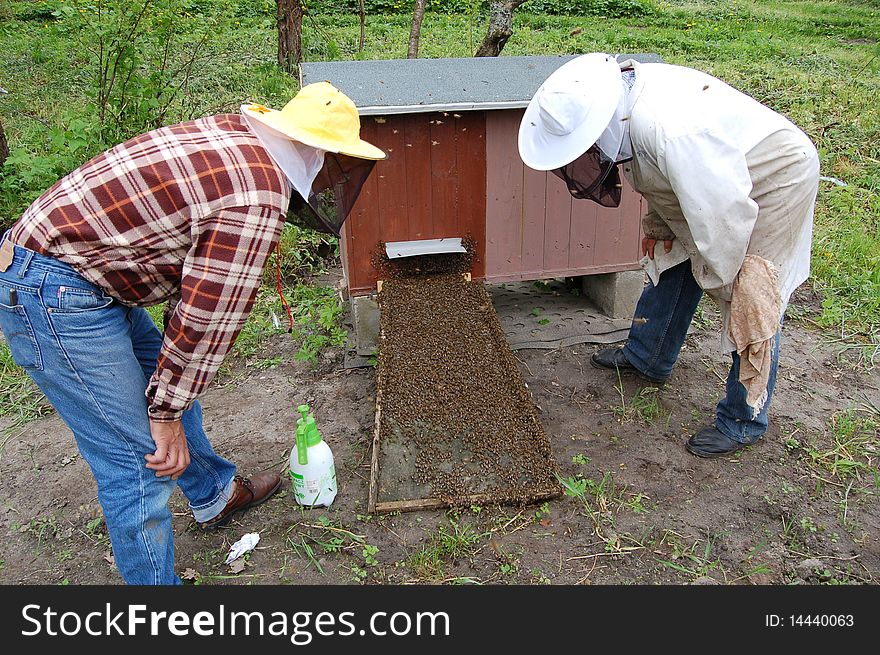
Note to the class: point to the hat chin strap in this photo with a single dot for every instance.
(300, 163)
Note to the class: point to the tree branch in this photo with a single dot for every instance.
(500, 27)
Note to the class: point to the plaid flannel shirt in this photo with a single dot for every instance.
(190, 211)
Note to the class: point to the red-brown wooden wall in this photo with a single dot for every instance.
(536, 230)
(460, 174)
(432, 185)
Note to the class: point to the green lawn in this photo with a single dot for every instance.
(817, 62)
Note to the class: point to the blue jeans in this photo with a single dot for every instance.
(654, 344)
(93, 357)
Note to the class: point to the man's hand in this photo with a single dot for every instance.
(648, 246)
(172, 455)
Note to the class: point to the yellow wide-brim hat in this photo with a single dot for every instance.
(320, 116)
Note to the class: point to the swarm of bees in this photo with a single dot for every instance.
(452, 393)
(388, 269)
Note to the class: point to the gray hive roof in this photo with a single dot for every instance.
(409, 86)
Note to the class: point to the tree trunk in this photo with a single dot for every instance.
(363, 16)
(289, 18)
(500, 27)
(415, 32)
(4, 147)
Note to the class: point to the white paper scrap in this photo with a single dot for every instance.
(244, 545)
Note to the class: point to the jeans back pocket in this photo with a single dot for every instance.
(72, 299)
(20, 336)
(70, 294)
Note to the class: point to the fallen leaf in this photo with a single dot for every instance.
(545, 523)
(576, 31)
(237, 566)
(189, 574)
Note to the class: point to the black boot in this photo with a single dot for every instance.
(613, 358)
(710, 442)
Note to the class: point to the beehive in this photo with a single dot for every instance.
(450, 128)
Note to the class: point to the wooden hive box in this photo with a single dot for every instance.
(450, 129)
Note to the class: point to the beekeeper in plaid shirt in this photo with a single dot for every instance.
(187, 214)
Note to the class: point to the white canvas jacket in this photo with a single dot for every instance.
(705, 156)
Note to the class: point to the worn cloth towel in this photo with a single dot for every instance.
(755, 308)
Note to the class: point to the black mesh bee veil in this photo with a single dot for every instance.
(334, 192)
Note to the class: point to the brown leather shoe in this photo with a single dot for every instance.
(249, 492)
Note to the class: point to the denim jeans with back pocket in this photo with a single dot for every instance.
(92, 357)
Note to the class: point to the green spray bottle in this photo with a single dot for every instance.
(311, 464)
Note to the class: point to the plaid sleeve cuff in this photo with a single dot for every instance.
(161, 400)
(164, 415)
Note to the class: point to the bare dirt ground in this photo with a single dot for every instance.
(799, 507)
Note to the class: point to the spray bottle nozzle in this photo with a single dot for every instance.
(302, 444)
(306, 434)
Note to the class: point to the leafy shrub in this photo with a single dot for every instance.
(607, 8)
(141, 56)
(304, 254)
(32, 11)
(25, 175)
(138, 56)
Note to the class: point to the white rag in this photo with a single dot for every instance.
(755, 308)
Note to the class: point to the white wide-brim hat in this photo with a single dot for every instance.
(570, 111)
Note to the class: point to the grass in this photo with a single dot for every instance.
(644, 405)
(848, 450)
(452, 542)
(695, 559)
(601, 501)
(312, 542)
(815, 61)
(854, 446)
(315, 309)
(20, 399)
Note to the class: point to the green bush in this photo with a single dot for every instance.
(32, 11)
(608, 8)
(137, 59)
(26, 174)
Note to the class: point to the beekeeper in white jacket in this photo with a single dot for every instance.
(731, 188)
